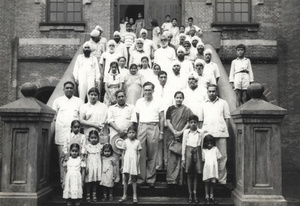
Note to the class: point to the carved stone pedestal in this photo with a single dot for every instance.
(25, 150)
(258, 152)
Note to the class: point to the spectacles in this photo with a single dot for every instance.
(163, 40)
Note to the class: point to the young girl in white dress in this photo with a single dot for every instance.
(145, 70)
(73, 180)
(112, 82)
(210, 156)
(109, 172)
(131, 162)
(93, 165)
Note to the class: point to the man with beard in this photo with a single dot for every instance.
(165, 55)
(186, 65)
(214, 117)
(194, 95)
(108, 57)
(189, 55)
(149, 46)
(211, 69)
(200, 50)
(86, 71)
(138, 53)
(67, 109)
(177, 80)
(120, 46)
(98, 43)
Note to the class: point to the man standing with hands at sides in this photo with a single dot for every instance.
(214, 117)
(67, 110)
(86, 71)
(120, 118)
(150, 117)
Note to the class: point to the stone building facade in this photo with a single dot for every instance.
(37, 50)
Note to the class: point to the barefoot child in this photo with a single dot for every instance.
(73, 180)
(93, 165)
(191, 155)
(109, 172)
(241, 75)
(210, 156)
(131, 162)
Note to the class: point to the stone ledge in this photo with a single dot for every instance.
(79, 27)
(253, 27)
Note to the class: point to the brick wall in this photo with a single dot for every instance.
(288, 84)
(6, 39)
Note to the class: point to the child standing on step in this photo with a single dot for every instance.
(131, 162)
(241, 75)
(191, 155)
(210, 156)
(109, 172)
(73, 180)
(93, 165)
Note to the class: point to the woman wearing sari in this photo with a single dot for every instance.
(177, 121)
(133, 84)
(93, 115)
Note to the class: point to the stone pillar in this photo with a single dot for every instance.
(25, 150)
(258, 152)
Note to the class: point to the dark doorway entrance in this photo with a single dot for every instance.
(131, 11)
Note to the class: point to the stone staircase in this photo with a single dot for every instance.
(162, 194)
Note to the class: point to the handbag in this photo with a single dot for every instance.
(175, 147)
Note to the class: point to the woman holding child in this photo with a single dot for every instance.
(177, 120)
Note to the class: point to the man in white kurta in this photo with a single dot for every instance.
(67, 110)
(177, 81)
(120, 46)
(108, 57)
(194, 95)
(211, 69)
(149, 46)
(98, 43)
(186, 65)
(150, 116)
(86, 71)
(163, 92)
(165, 55)
(138, 53)
(214, 116)
(120, 117)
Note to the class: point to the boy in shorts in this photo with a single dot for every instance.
(241, 75)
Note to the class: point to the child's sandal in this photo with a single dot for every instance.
(88, 198)
(111, 197)
(213, 201)
(206, 200)
(104, 197)
(94, 197)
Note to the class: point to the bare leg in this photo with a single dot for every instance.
(88, 191)
(189, 181)
(126, 178)
(244, 96)
(211, 191)
(195, 187)
(238, 97)
(94, 191)
(133, 179)
(206, 190)
(110, 190)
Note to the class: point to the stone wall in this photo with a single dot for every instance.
(288, 84)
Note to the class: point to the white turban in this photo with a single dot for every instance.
(207, 51)
(194, 74)
(95, 33)
(111, 42)
(87, 44)
(167, 33)
(117, 33)
(195, 38)
(176, 62)
(139, 40)
(200, 43)
(182, 35)
(99, 28)
(181, 48)
(199, 61)
(143, 31)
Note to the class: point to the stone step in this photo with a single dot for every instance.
(58, 201)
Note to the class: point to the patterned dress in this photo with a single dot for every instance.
(93, 163)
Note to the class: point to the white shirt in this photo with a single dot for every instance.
(186, 68)
(212, 71)
(179, 82)
(148, 111)
(136, 56)
(121, 49)
(194, 98)
(192, 139)
(166, 26)
(239, 65)
(121, 116)
(67, 110)
(164, 57)
(98, 48)
(108, 58)
(147, 74)
(213, 115)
